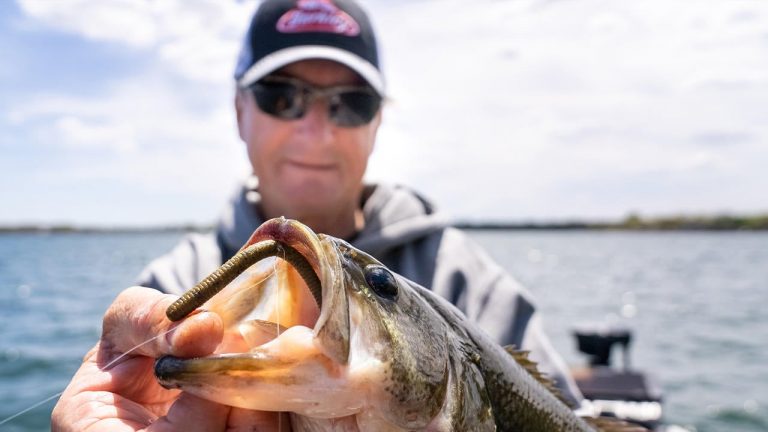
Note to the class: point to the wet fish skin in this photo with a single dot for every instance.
(439, 355)
(388, 353)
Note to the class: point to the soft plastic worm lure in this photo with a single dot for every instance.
(228, 271)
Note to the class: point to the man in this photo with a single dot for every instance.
(308, 102)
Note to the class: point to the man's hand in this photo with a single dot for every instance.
(125, 396)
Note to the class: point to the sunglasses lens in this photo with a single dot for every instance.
(354, 108)
(283, 100)
(288, 99)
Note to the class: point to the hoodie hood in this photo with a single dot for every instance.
(394, 215)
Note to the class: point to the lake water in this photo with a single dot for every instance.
(696, 302)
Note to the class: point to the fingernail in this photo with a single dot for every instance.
(170, 335)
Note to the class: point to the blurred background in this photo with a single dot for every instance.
(119, 114)
(508, 110)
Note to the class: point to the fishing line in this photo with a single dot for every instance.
(279, 309)
(108, 366)
(104, 369)
(6, 420)
(274, 267)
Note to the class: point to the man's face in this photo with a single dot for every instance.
(307, 167)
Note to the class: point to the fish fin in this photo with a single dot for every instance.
(601, 424)
(521, 357)
(612, 424)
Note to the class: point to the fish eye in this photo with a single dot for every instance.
(381, 281)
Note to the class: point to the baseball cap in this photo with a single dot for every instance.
(286, 31)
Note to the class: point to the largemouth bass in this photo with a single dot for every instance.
(332, 336)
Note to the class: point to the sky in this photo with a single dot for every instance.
(120, 112)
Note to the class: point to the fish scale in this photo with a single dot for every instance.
(384, 354)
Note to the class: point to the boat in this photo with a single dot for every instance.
(617, 391)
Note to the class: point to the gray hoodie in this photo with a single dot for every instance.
(405, 233)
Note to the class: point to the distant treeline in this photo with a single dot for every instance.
(44, 229)
(636, 222)
(631, 222)
(720, 222)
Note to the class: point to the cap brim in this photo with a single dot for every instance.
(283, 57)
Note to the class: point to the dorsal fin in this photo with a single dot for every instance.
(601, 424)
(612, 424)
(521, 357)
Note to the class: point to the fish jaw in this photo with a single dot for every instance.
(376, 358)
(332, 326)
(289, 373)
(301, 369)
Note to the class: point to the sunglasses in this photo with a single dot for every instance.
(290, 98)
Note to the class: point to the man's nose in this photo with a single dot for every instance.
(316, 121)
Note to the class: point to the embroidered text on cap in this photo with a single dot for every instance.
(317, 16)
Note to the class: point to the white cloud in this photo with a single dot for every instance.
(77, 133)
(517, 99)
(125, 21)
(524, 109)
(144, 134)
(198, 40)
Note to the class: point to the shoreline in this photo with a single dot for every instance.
(630, 223)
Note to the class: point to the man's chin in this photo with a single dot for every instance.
(313, 199)
(316, 195)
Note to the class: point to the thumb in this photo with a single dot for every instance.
(136, 322)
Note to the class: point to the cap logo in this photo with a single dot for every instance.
(317, 16)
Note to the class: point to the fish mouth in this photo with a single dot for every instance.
(298, 352)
